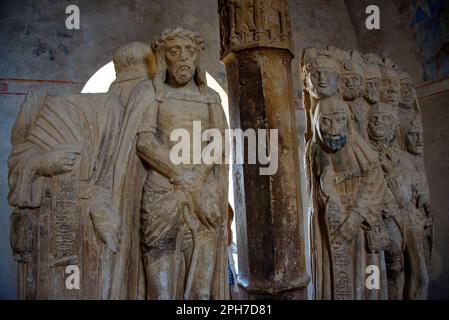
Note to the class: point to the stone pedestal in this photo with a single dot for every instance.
(268, 208)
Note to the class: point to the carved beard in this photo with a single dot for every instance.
(351, 94)
(182, 74)
(335, 142)
(372, 97)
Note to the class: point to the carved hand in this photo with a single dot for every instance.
(347, 229)
(58, 161)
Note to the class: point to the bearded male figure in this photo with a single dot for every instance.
(405, 258)
(373, 78)
(352, 87)
(347, 189)
(173, 215)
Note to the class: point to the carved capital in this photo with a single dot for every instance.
(246, 24)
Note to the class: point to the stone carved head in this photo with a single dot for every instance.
(320, 71)
(351, 82)
(178, 59)
(382, 122)
(373, 82)
(407, 90)
(413, 139)
(391, 87)
(332, 123)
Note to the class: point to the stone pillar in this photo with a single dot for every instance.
(256, 48)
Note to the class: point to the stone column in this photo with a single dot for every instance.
(256, 48)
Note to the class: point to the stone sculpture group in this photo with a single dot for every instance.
(92, 184)
(365, 174)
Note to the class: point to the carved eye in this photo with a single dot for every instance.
(341, 120)
(325, 122)
(191, 51)
(173, 51)
(386, 118)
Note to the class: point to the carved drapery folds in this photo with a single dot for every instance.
(94, 189)
(366, 179)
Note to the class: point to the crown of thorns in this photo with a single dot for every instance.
(178, 32)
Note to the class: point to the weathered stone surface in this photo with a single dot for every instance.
(392, 187)
(268, 207)
(108, 199)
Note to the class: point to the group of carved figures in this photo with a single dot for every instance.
(92, 184)
(93, 187)
(366, 178)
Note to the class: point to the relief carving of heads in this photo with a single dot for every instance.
(382, 122)
(320, 72)
(178, 55)
(331, 120)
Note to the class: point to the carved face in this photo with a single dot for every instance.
(407, 96)
(381, 125)
(391, 90)
(373, 87)
(351, 86)
(181, 59)
(414, 141)
(322, 83)
(334, 130)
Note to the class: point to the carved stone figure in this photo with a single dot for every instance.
(173, 216)
(408, 107)
(352, 88)
(405, 256)
(347, 190)
(132, 65)
(413, 142)
(60, 178)
(391, 86)
(319, 72)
